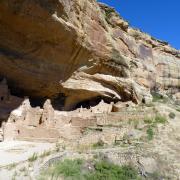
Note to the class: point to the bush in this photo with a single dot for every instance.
(178, 109)
(109, 171)
(45, 153)
(103, 170)
(148, 121)
(99, 144)
(159, 98)
(33, 157)
(150, 133)
(67, 168)
(160, 119)
(172, 115)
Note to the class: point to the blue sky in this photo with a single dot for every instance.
(159, 18)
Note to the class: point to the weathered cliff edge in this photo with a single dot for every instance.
(77, 53)
(81, 50)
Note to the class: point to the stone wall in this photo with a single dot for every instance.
(47, 124)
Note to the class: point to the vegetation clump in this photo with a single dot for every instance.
(172, 115)
(45, 153)
(152, 123)
(160, 119)
(78, 169)
(178, 109)
(150, 133)
(68, 168)
(109, 171)
(99, 144)
(159, 98)
(33, 157)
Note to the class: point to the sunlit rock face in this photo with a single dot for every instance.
(81, 50)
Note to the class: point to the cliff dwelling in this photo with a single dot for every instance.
(39, 119)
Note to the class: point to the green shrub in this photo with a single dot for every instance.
(68, 168)
(105, 170)
(102, 170)
(160, 119)
(134, 122)
(99, 144)
(152, 123)
(159, 98)
(172, 115)
(178, 109)
(150, 133)
(45, 153)
(33, 157)
(148, 120)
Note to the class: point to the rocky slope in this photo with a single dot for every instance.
(80, 50)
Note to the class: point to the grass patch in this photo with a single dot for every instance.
(68, 168)
(11, 166)
(83, 148)
(178, 109)
(160, 119)
(113, 125)
(150, 133)
(152, 123)
(33, 157)
(99, 144)
(148, 121)
(159, 98)
(109, 171)
(45, 153)
(100, 170)
(134, 122)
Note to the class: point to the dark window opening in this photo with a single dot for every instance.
(1, 123)
(37, 102)
(40, 121)
(143, 101)
(2, 98)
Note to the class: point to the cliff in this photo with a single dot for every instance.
(74, 73)
(81, 50)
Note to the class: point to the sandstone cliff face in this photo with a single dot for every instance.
(81, 50)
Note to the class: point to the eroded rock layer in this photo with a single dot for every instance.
(82, 50)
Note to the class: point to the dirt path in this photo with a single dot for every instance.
(18, 151)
